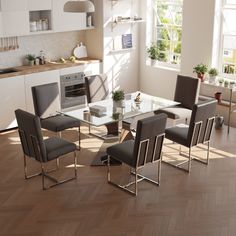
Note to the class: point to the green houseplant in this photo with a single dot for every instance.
(118, 97)
(153, 52)
(213, 72)
(231, 84)
(30, 58)
(200, 70)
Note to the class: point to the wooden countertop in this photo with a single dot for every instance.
(24, 70)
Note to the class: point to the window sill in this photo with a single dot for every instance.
(163, 66)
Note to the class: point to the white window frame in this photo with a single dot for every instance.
(221, 50)
(154, 39)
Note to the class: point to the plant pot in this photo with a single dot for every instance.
(218, 96)
(31, 63)
(153, 62)
(120, 104)
(219, 121)
(201, 77)
(212, 79)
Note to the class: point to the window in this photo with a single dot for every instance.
(168, 30)
(228, 42)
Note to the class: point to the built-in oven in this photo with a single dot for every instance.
(72, 90)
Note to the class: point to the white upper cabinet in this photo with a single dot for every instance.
(15, 17)
(39, 5)
(14, 5)
(65, 21)
(15, 23)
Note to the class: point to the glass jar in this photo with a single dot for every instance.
(44, 24)
(33, 26)
(39, 25)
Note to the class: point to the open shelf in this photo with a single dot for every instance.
(122, 50)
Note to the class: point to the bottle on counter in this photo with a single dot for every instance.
(42, 58)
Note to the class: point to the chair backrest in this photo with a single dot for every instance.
(96, 87)
(149, 139)
(187, 91)
(29, 128)
(201, 122)
(46, 100)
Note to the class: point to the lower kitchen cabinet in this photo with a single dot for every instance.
(38, 79)
(12, 97)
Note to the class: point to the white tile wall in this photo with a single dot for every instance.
(55, 45)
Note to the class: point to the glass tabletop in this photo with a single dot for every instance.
(105, 112)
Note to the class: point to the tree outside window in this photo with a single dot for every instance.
(168, 30)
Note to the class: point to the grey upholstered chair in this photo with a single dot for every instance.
(197, 132)
(186, 93)
(96, 90)
(146, 148)
(47, 104)
(41, 150)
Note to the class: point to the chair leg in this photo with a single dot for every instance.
(75, 163)
(190, 160)
(159, 170)
(58, 163)
(26, 170)
(123, 187)
(79, 135)
(57, 182)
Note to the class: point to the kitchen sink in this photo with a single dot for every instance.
(8, 70)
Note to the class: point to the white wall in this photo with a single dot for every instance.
(121, 67)
(198, 24)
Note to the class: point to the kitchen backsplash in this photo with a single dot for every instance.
(55, 46)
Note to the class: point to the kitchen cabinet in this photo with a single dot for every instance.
(14, 14)
(36, 5)
(12, 97)
(14, 5)
(38, 79)
(64, 21)
(15, 23)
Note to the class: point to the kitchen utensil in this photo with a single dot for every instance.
(17, 44)
(80, 51)
(1, 48)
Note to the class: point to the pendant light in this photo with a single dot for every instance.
(79, 6)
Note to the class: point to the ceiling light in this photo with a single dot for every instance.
(79, 6)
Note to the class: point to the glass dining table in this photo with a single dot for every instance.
(105, 112)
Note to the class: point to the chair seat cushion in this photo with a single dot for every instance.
(59, 123)
(176, 112)
(56, 147)
(123, 152)
(178, 134)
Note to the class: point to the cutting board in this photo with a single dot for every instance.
(80, 51)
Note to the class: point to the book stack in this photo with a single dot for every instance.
(97, 110)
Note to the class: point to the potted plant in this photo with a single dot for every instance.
(226, 83)
(231, 84)
(118, 97)
(213, 72)
(221, 81)
(30, 58)
(153, 52)
(200, 70)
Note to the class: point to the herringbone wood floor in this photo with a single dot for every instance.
(202, 203)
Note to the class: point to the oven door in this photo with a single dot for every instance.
(72, 94)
